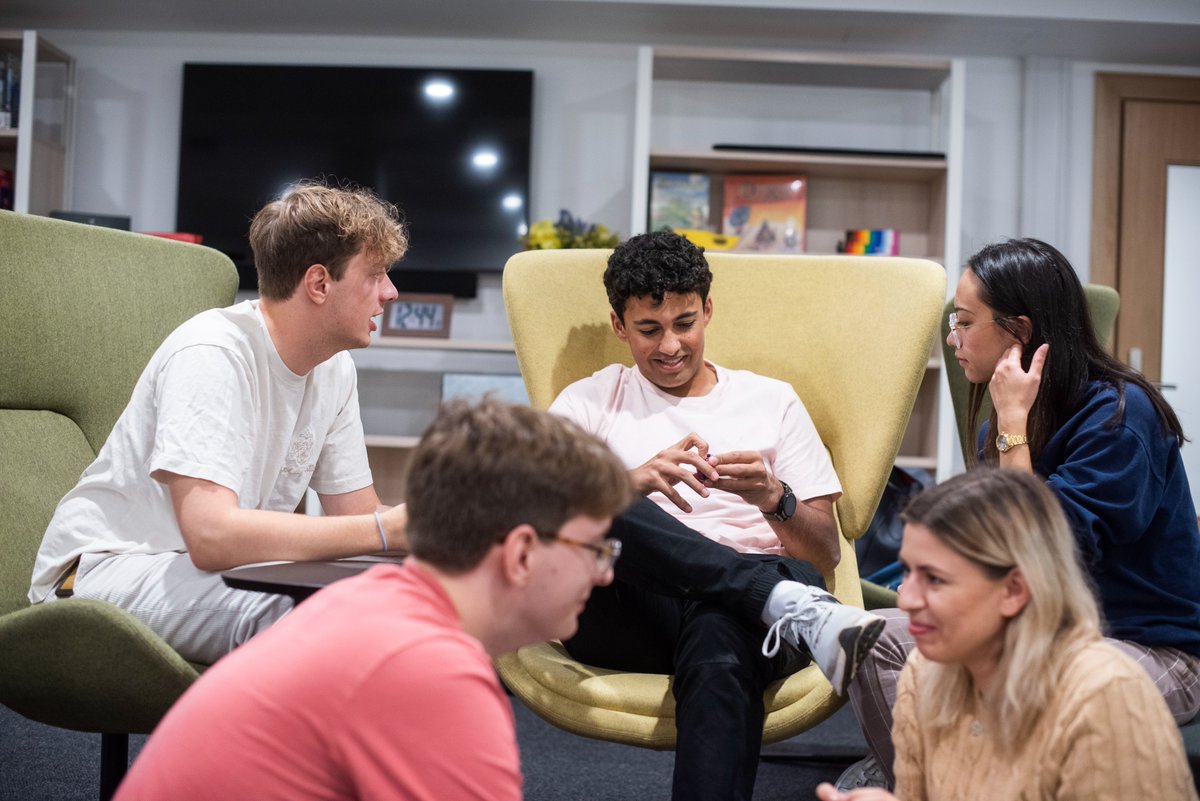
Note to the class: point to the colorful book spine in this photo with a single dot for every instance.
(872, 241)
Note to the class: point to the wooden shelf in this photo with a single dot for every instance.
(923, 462)
(729, 65)
(391, 441)
(876, 168)
(429, 343)
(427, 355)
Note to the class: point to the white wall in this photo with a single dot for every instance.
(1027, 158)
(991, 153)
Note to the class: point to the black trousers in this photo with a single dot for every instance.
(685, 605)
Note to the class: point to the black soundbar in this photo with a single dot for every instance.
(834, 151)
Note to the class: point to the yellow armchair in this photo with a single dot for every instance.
(852, 334)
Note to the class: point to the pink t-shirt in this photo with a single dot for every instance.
(368, 690)
(743, 412)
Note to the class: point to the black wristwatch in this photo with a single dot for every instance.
(787, 504)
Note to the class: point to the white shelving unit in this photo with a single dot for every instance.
(38, 149)
(400, 384)
(856, 116)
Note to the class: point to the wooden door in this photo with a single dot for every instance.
(1143, 124)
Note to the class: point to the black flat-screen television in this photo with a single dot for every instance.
(450, 147)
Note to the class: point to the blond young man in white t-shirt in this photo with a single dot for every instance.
(734, 532)
(238, 412)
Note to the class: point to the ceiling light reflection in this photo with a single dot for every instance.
(485, 159)
(439, 90)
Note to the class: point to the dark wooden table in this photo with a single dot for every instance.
(299, 579)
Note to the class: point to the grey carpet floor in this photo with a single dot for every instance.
(41, 763)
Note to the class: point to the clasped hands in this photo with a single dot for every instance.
(744, 473)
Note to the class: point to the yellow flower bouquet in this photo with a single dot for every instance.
(568, 232)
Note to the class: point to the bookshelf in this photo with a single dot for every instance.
(400, 387)
(882, 148)
(37, 150)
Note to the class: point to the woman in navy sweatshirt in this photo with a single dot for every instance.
(1098, 432)
(1104, 440)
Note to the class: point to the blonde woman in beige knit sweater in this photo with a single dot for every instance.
(1013, 694)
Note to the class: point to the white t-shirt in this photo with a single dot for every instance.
(743, 412)
(215, 402)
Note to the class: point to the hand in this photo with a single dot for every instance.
(667, 469)
(1014, 390)
(827, 792)
(745, 474)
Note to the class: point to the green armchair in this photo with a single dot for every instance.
(81, 311)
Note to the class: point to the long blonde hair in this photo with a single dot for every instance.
(1000, 520)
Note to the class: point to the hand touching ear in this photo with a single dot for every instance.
(1014, 389)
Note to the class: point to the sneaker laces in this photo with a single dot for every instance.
(796, 616)
(867, 772)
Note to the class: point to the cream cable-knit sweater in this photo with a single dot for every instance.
(1106, 734)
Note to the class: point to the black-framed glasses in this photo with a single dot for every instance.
(606, 552)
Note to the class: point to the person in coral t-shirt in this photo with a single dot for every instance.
(381, 685)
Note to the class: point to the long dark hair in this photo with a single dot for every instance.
(1027, 277)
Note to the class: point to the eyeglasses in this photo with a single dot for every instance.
(606, 553)
(956, 326)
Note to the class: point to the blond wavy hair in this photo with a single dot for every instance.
(1000, 520)
(314, 223)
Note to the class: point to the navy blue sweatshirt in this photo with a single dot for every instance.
(1127, 498)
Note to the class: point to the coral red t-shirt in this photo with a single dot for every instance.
(368, 690)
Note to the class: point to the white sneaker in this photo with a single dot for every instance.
(863, 773)
(838, 636)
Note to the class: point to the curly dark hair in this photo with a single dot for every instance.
(652, 265)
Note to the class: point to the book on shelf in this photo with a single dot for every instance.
(765, 212)
(10, 88)
(679, 200)
(871, 241)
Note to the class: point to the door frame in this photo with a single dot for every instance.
(1112, 89)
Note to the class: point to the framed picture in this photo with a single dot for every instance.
(418, 315)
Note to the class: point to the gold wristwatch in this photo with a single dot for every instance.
(1006, 442)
